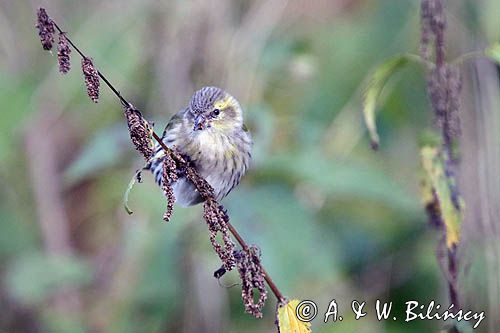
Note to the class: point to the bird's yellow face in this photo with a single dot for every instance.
(214, 110)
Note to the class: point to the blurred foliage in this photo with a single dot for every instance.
(332, 218)
(493, 51)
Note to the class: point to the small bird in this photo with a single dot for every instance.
(211, 133)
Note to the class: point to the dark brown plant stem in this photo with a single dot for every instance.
(183, 164)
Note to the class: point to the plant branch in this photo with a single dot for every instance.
(110, 86)
(182, 164)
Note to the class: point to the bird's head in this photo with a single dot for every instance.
(214, 109)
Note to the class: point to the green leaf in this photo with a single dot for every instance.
(376, 83)
(493, 52)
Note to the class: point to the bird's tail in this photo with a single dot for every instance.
(155, 165)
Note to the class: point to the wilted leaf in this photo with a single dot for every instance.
(288, 321)
(493, 52)
(376, 83)
(137, 176)
(436, 182)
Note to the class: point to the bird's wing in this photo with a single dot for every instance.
(173, 122)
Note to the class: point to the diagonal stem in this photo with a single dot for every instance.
(231, 228)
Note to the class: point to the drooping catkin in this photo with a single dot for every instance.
(169, 177)
(63, 52)
(204, 188)
(444, 89)
(252, 278)
(216, 219)
(45, 28)
(444, 81)
(91, 79)
(140, 131)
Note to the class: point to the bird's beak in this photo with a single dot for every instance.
(200, 123)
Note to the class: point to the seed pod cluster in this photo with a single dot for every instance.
(444, 82)
(216, 219)
(444, 87)
(252, 278)
(63, 52)
(45, 28)
(433, 23)
(140, 131)
(91, 79)
(169, 177)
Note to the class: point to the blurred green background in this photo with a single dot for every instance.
(334, 220)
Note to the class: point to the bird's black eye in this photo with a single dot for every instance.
(216, 112)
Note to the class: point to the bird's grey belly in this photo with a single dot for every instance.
(220, 168)
(187, 195)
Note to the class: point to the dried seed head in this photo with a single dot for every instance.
(433, 22)
(444, 81)
(454, 89)
(216, 219)
(252, 277)
(140, 131)
(169, 193)
(91, 79)
(63, 52)
(444, 88)
(204, 188)
(45, 28)
(169, 177)
(169, 169)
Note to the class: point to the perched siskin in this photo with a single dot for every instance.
(210, 131)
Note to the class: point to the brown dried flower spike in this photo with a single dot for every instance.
(45, 28)
(169, 177)
(217, 219)
(91, 78)
(252, 277)
(63, 52)
(140, 131)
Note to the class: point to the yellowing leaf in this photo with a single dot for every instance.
(288, 321)
(493, 52)
(427, 191)
(373, 89)
(436, 182)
